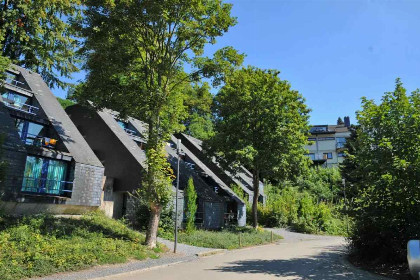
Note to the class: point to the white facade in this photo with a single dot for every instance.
(327, 143)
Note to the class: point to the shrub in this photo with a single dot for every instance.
(142, 215)
(289, 207)
(383, 169)
(39, 245)
(191, 200)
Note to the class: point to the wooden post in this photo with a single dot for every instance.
(240, 239)
(272, 237)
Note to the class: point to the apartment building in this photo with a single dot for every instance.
(327, 142)
(51, 168)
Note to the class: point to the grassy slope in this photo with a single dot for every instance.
(227, 239)
(41, 245)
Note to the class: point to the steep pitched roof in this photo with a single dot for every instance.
(108, 117)
(242, 178)
(67, 131)
(204, 188)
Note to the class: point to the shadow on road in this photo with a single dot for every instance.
(324, 266)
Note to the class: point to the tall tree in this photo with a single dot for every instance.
(39, 35)
(135, 51)
(261, 123)
(340, 121)
(383, 167)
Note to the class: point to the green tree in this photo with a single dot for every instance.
(384, 161)
(340, 121)
(199, 121)
(262, 124)
(39, 35)
(191, 199)
(135, 53)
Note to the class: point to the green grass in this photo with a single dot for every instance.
(227, 239)
(40, 245)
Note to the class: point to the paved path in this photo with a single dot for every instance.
(296, 257)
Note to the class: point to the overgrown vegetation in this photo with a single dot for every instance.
(383, 169)
(142, 215)
(228, 238)
(40, 245)
(311, 204)
(191, 209)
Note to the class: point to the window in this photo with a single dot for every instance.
(326, 138)
(46, 176)
(341, 155)
(31, 133)
(315, 129)
(311, 139)
(341, 141)
(16, 99)
(122, 124)
(328, 156)
(311, 156)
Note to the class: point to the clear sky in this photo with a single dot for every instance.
(332, 52)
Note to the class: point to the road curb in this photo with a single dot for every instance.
(211, 253)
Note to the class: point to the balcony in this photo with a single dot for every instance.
(318, 157)
(47, 186)
(11, 80)
(26, 108)
(37, 141)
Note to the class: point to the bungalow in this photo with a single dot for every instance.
(51, 168)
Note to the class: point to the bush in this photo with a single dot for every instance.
(141, 217)
(39, 245)
(383, 169)
(299, 210)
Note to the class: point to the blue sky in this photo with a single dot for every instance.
(332, 52)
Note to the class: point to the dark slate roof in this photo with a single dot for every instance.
(203, 187)
(67, 131)
(243, 177)
(204, 191)
(208, 171)
(108, 117)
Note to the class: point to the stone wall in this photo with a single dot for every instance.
(87, 186)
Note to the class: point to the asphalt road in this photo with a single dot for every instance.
(296, 257)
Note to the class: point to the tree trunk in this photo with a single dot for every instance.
(256, 186)
(151, 235)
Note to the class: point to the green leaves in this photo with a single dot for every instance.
(191, 209)
(40, 36)
(261, 124)
(384, 171)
